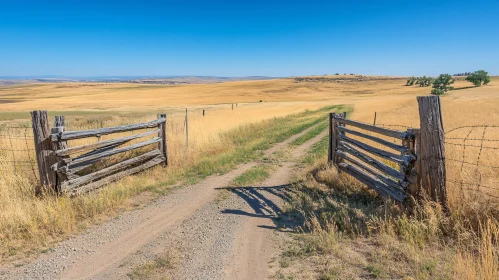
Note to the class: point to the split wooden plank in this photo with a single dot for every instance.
(119, 175)
(371, 161)
(71, 135)
(98, 145)
(388, 144)
(74, 183)
(394, 185)
(369, 181)
(380, 130)
(399, 159)
(84, 160)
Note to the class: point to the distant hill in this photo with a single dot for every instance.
(8, 80)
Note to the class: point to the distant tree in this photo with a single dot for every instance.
(424, 81)
(442, 84)
(478, 78)
(337, 74)
(411, 81)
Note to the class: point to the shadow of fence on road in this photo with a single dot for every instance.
(259, 199)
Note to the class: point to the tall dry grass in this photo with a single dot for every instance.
(408, 239)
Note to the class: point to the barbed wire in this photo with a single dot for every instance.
(393, 125)
(471, 139)
(475, 146)
(470, 126)
(471, 163)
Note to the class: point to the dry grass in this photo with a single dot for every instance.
(348, 233)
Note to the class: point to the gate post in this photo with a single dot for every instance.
(432, 149)
(332, 140)
(43, 148)
(162, 134)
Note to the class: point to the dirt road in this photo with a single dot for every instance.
(203, 236)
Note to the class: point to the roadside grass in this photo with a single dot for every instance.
(28, 223)
(254, 175)
(323, 124)
(157, 268)
(346, 231)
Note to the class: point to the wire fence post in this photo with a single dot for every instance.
(374, 123)
(432, 149)
(43, 148)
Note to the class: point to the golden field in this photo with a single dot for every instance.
(24, 218)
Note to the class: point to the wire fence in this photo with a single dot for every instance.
(472, 156)
(17, 151)
(473, 159)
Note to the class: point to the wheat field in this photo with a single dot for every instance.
(93, 105)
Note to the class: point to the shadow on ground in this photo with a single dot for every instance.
(260, 200)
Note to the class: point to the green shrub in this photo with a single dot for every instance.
(478, 78)
(442, 84)
(437, 91)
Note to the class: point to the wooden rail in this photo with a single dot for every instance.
(78, 134)
(420, 157)
(67, 169)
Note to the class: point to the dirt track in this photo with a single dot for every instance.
(234, 238)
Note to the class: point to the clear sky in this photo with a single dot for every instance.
(247, 38)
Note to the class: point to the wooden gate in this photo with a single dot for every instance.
(61, 166)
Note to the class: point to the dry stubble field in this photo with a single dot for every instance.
(93, 105)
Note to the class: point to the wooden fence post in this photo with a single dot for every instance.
(43, 148)
(337, 137)
(162, 134)
(331, 140)
(374, 123)
(432, 149)
(59, 145)
(414, 175)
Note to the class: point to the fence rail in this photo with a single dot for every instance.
(60, 167)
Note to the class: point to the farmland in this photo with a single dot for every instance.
(242, 118)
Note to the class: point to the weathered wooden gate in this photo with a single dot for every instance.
(60, 165)
(394, 170)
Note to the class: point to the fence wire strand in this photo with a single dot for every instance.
(17, 150)
(468, 160)
(475, 183)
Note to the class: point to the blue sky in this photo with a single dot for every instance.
(246, 38)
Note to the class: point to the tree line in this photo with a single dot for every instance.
(463, 74)
(443, 82)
